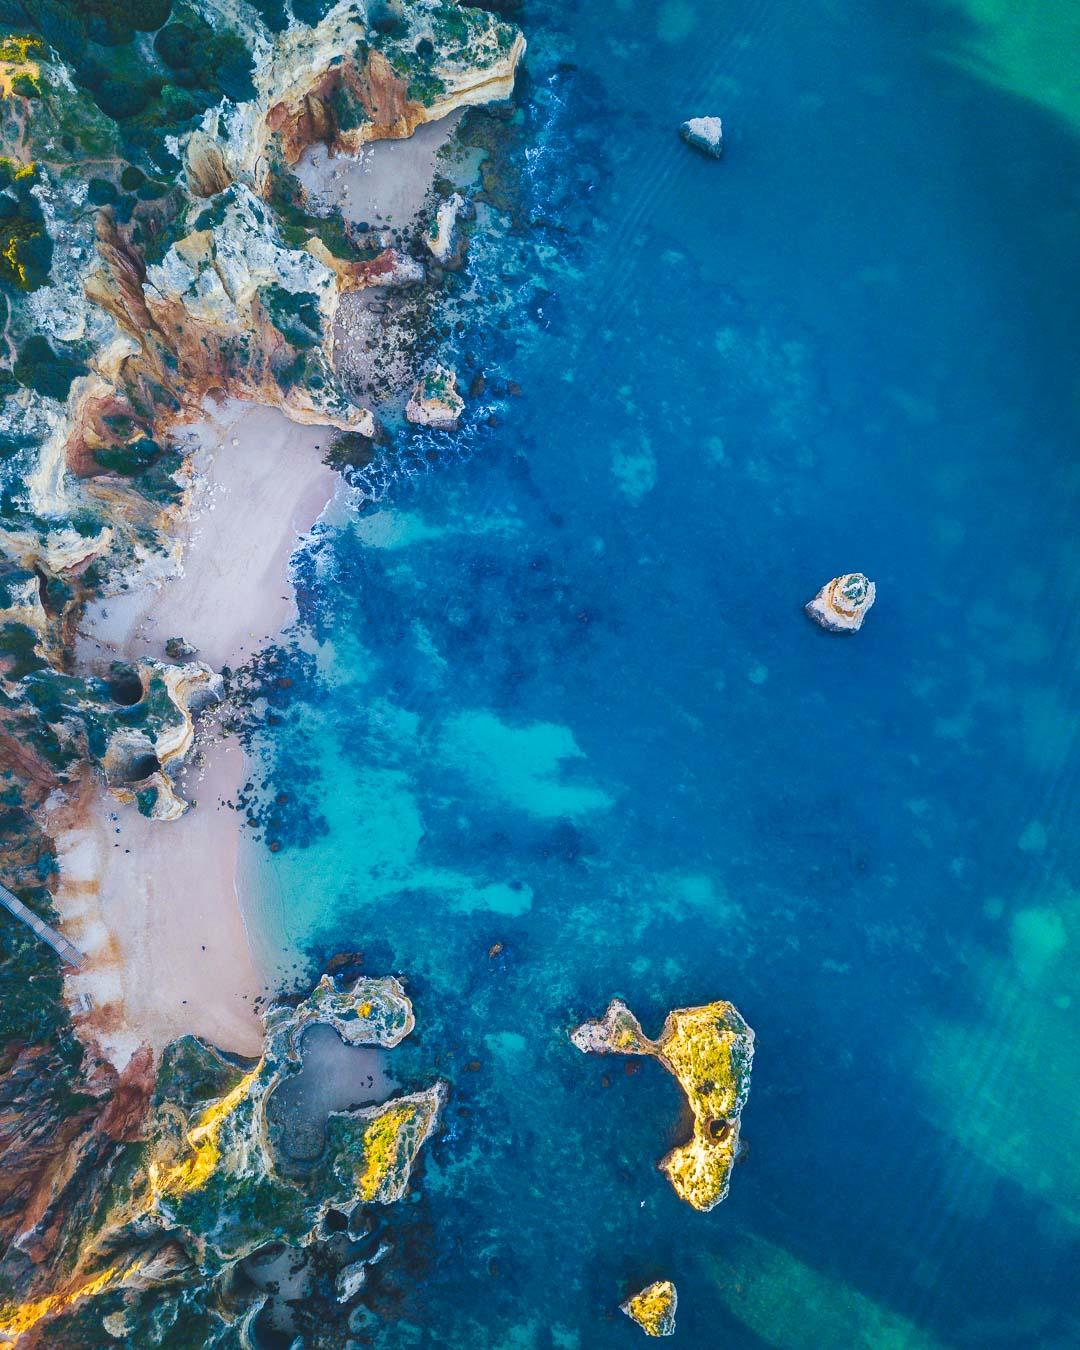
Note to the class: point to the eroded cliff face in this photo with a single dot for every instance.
(192, 1184)
(242, 300)
(367, 72)
(219, 283)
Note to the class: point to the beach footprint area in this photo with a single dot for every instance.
(486, 575)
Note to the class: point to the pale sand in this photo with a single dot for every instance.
(154, 906)
(386, 184)
(252, 501)
(144, 917)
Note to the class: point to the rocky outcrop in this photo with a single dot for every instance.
(435, 401)
(209, 1188)
(709, 1051)
(136, 724)
(242, 301)
(705, 134)
(653, 1309)
(442, 234)
(347, 82)
(842, 604)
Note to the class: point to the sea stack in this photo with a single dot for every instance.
(705, 134)
(435, 401)
(841, 604)
(709, 1051)
(653, 1309)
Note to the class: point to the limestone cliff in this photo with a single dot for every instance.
(202, 274)
(207, 1186)
(156, 250)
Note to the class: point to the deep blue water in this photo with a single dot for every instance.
(566, 700)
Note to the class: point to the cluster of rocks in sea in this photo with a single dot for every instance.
(709, 1050)
(435, 401)
(842, 604)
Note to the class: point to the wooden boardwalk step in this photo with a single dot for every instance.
(60, 945)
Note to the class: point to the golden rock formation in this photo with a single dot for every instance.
(653, 1309)
(709, 1051)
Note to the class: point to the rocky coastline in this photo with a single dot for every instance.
(162, 257)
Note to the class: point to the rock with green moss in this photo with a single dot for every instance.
(435, 401)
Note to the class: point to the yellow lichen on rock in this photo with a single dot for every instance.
(194, 1171)
(709, 1051)
(17, 1318)
(16, 58)
(653, 1309)
(390, 1141)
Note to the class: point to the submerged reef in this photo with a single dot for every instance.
(709, 1051)
(653, 1309)
(203, 1187)
(842, 604)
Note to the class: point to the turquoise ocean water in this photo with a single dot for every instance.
(564, 697)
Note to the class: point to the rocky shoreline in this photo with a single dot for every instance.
(147, 274)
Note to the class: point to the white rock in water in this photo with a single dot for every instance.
(441, 235)
(841, 604)
(705, 134)
(435, 401)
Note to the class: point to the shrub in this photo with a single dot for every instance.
(47, 372)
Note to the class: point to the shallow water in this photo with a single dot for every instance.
(563, 697)
(333, 1077)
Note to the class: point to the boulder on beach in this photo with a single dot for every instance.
(705, 134)
(841, 604)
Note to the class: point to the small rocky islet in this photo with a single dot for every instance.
(653, 1308)
(843, 603)
(709, 1051)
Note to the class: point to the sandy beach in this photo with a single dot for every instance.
(260, 484)
(158, 906)
(386, 184)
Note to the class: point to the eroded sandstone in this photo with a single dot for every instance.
(653, 1308)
